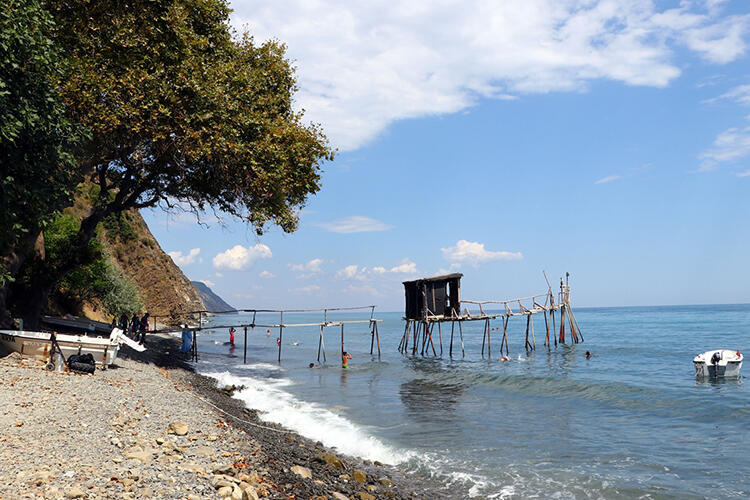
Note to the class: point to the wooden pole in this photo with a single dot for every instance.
(440, 338)
(320, 342)
(484, 336)
(432, 343)
(417, 325)
(281, 333)
(244, 357)
(533, 339)
(372, 338)
(461, 334)
(546, 327)
(450, 350)
(505, 336)
(562, 324)
(580, 332)
(377, 337)
(528, 320)
(342, 341)
(489, 340)
(554, 329)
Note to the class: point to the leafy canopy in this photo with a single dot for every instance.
(36, 138)
(181, 110)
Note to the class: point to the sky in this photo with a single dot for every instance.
(607, 139)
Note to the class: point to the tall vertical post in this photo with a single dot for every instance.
(440, 338)
(244, 347)
(372, 337)
(342, 341)
(484, 336)
(461, 334)
(281, 332)
(489, 340)
(546, 326)
(377, 337)
(450, 349)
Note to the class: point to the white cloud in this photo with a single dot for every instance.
(240, 258)
(266, 275)
(406, 267)
(186, 260)
(354, 224)
(308, 269)
(746, 173)
(364, 65)
(379, 270)
(209, 283)
(307, 289)
(347, 273)
(607, 179)
(739, 94)
(218, 275)
(474, 253)
(730, 145)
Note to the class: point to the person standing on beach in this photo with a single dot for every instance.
(134, 326)
(123, 323)
(143, 328)
(231, 335)
(345, 357)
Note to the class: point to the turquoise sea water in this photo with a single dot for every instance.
(631, 421)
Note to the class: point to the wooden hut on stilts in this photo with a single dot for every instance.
(436, 300)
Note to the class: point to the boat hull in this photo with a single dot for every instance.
(721, 363)
(38, 345)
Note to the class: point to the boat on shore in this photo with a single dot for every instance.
(718, 363)
(39, 344)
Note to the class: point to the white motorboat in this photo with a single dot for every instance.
(39, 344)
(719, 363)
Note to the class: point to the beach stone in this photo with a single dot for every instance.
(75, 492)
(202, 451)
(178, 428)
(384, 481)
(135, 454)
(331, 459)
(339, 496)
(223, 469)
(237, 493)
(345, 477)
(249, 493)
(365, 496)
(378, 463)
(302, 471)
(225, 491)
(359, 476)
(371, 488)
(160, 441)
(219, 482)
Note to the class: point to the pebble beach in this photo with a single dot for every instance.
(149, 427)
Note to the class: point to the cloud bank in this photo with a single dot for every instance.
(240, 258)
(364, 65)
(185, 260)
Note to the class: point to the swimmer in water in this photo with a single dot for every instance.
(588, 355)
(312, 366)
(345, 357)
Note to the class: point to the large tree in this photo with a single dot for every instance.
(180, 110)
(36, 138)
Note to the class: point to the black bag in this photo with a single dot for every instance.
(83, 363)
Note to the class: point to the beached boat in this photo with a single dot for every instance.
(39, 344)
(719, 363)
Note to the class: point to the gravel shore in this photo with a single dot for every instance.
(149, 427)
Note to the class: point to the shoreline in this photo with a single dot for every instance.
(226, 445)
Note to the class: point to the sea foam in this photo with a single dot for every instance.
(310, 419)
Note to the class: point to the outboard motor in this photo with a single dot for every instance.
(715, 361)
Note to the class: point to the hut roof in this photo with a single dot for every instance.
(436, 278)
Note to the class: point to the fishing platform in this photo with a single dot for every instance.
(437, 300)
(326, 322)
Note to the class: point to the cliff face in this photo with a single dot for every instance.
(166, 292)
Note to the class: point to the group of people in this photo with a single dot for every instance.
(135, 327)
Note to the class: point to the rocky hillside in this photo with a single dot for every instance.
(213, 302)
(165, 291)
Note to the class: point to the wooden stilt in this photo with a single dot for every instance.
(450, 349)
(320, 343)
(489, 339)
(461, 334)
(440, 339)
(533, 339)
(244, 348)
(528, 321)
(372, 338)
(562, 324)
(281, 333)
(430, 329)
(505, 336)
(554, 329)
(342, 341)
(546, 327)
(484, 336)
(580, 332)
(377, 337)
(417, 325)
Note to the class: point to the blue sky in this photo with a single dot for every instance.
(607, 139)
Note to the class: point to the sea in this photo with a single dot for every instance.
(630, 421)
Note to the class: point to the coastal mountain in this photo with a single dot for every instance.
(213, 302)
(163, 288)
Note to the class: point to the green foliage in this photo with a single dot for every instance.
(180, 110)
(118, 226)
(36, 138)
(99, 278)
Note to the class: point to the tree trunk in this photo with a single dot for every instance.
(12, 263)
